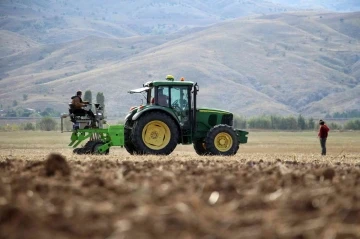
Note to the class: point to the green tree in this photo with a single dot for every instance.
(289, 123)
(311, 124)
(15, 103)
(29, 126)
(20, 112)
(88, 96)
(47, 124)
(275, 122)
(239, 122)
(352, 124)
(334, 126)
(49, 112)
(261, 122)
(301, 122)
(10, 113)
(100, 99)
(25, 97)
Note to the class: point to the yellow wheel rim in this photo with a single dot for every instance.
(223, 142)
(156, 135)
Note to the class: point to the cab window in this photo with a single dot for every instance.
(179, 100)
(163, 96)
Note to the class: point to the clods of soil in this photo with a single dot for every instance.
(163, 197)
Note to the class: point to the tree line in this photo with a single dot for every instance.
(44, 124)
(271, 122)
(275, 122)
(344, 115)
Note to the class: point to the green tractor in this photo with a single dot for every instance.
(169, 117)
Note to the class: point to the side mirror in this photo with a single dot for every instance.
(196, 87)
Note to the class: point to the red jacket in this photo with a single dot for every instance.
(323, 131)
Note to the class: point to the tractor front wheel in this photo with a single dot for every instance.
(222, 140)
(155, 133)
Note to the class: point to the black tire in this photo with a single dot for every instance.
(237, 148)
(222, 140)
(95, 147)
(160, 134)
(199, 146)
(128, 144)
(76, 151)
(87, 149)
(79, 151)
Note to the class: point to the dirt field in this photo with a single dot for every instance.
(277, 186)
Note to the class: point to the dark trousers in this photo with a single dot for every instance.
(323, 146)
(84, 112)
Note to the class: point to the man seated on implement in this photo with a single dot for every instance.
(76, 106)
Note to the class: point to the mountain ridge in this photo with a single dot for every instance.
(285, 63)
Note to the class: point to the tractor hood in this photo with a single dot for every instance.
(210, 110)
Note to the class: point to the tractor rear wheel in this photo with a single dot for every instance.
(222, 140)
(155, 133)
(200, 148)
(128, 144)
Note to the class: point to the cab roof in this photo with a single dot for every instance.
(169, 83)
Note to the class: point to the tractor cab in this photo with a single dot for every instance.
(174, 98)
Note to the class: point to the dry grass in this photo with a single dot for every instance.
(265, 145)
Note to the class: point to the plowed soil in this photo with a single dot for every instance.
(250, 195)
(166, 197)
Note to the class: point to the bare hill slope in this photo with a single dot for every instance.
(285, 64)
(52, 21)
(333, 5)
(11, 43)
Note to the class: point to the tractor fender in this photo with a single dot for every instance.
(156, 108)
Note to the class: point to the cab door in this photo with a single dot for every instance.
(180, 104)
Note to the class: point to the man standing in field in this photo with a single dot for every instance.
(323, 134)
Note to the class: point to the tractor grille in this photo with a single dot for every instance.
(227, 119)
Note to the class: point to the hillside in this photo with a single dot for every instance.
(11, 43)
(53, 21)
(334, 5)
(284, 63)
